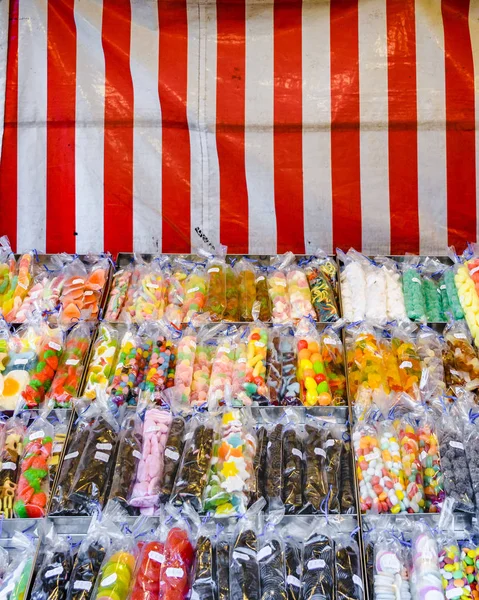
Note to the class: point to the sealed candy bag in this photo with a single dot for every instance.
(292, 490)
(413, 289)
(282, 382)
(454, 572)
(20, 284)
(184, 365)
(452, 302)
(129, 368)
(49, 354)
(18, 360)
(204, 584)
(66, 382)
(465, 411)
(102, 363)
(272, 563)
(461, 363)
(223, 566)
(293, 565)
(231, 312)
(53, 573)
(255, 374)
(323, 296)
(467, 294)
(349, 582)
(395, 307)
(425, 573)
(278, 289)
(432, 270)
(262, 307)
(118, 293)
(175, 569)
(147, 575)
(172, 456)
(246, 273)
(258, 487)
(244, 567)
(222, 369)
(353, 285)
(12, 450)
(299, 292)
(193, 471)
(411, 464)
(200, 384)
(231, 473)
(391, 573)
(175, 296)
(311, 371)
(156, 371)
(15, 581)
(409, 363)
(156, 426)
(318, 560)
(333, 358)
(115, 578)
(33, 489)
(430, 348)
(195, 293)
(126, 463)
(216, 284)
(148, 302)
(7, 268)
(274, 468)
(61, 425)
(430, 462)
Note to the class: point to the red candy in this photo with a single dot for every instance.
(147, 582)
(179, 555)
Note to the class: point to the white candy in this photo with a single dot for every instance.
(353, 288)
(376, 306)
(394, 296)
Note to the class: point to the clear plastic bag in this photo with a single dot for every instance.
(293, 565)
(172, 456)
(391, 574)
(247, 272)
(284, 388)
(332, 354)
(461, 363)
(149, 296)
(430, 348)
(53, 572)
(222, 369)
(408, 360)
(244, 567)
(349, 583)
(278, 288)
(432, 270)
(413, 289)
(216, 284)
(33, 489)
(14, 582)
(395, 307)
(430, 461)
(60, 420)
(184, 366)
(193, 471)
(318, 566)
(20, 284)
(465, 412)
(293, 470)
(254, 386)
(118, 292)
(323, 296)
(425, 573)
(102, 363)
(272, 563)
(195, 293)
(204, 584)
(299, 292)
(12, 450)
(353, 285)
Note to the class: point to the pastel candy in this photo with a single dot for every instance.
(353, 291)
(278, 293)
(221, 372)
(299, 295)
(184, 366)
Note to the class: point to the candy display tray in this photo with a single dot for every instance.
(125, 258)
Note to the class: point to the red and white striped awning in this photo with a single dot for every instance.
(143, 124)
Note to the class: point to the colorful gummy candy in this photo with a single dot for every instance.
(147, 579)
(461, 364)
(467, 293)
(246, 289)
(51, 347)
(68, 375)
(31, 496)
(332, 356)
(232, 466)
(409, 443)
(82, 290)
(20, 284)
(175, 570)
(201, 372)
(322, 293)
(17, 365)
(44, 295)
(102, 363)
(159, 362)
(393, 468)
(148, 302)
(240, 397)
(221, 371)
(262, 307)
(255, 375)
(195, 293)
(11, 452)
(431, 467)
(216, 286)
(150, 468)
(118, 294)
(116, 576)
(175, 298)
(132, 358)
(278, 293)
(311, 373)
(430, 348)
(231, 312)
(409, 362)
(184, 365)
(299, 294)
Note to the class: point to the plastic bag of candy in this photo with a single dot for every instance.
(60, 420)
(19, 286)
(353, 285)
(432, 270)
(127, 458)
(450, 299)
(413, 289)
(467, 293)
(7, 268)
(33, 489)
(247, 272)
(179, 270)
(216, 283)
(282, 383)
(391, 566)
(272, 560)
(11, 451)
(332, 354)
(298, 291)
(395, 307)
(255, 368)
(206, 345)
(430, 460)
(293, 475)
(103, 361)
(231, 312)
(193, 470)
(318, 564)
(204, 580)
(66, 382)
(172, 456)
(222, 369)
(227, 491)
(430, 348)
(149, 297)
(186, 349)
(466, 413)
(120, 286)
(244, 567)
(195, 292)
(311, 371)
(278, 288)
(53, 567)
(461, 363)
(323, 295)
(21, 554)
(425, 572)
(408, 360)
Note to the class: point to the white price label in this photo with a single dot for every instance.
(458, 445)
(37, 434)
(259, 344)
(264, 552)
(82, 585)
(406, 364)
(20, 361)
(358, 581)
(330, 341)
(292, 580)
(155, 286)
(156, 556)
(329, 443)
(188, 436)
(317, 563)
(55, 346)
(53, 572)
(109, 580)
(297, 452)
(24, 286)
(171, 454)
(280, 282)
(241, 360)
(78, 281)
(71, 455)
(416, 280)
(260, 278)
(102, 456)
(9, 466)
(320, 452)
(174, 572)
(137, 454)
(57, 448)
(214, 270)
(460, 336)
(88, 293)
(72, 362)
(475, 270)
(192, 290)
(104, 446)
(240, 556)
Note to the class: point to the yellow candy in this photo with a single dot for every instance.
(305, 364)
(311, 398)
(310, 384)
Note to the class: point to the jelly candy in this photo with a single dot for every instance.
(184, 365)
(103, 360)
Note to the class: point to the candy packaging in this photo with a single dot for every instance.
(222, 369)
(293, 566)
(272, 563)
(452, 302)
(33, 489)
(172, 457)
(118, 293)
(175, 569)
(147, 301)
(216, 285)
(204, 583)
(231, 312)
(255, 367)
(395, 307)
(323, 296)
(293, 471)
(425, 574)
(247, 273)
(200, 384)
(311, 371)
(299, 292)
(193, 471)
(349, 582)
(244, 567)
(258, 488)
(21, 556)
(19, 285)
(413, 289)
(318, 561)
(262, 305)
(184, 366)
(282, 383)
(53, 572)
(148, 569)
(391, 573)
(103, 360)
(61, 424)
(12, 450)
(195, 293)
(223, 567)
(126, 463)
(159, 360)
(18, 359)
(430, 348)
(430, 462)
(461, 363)
(333, 357)
(278, 289)
(353, 285)
(467, 294)
(231, 473)
(409, 363)
(432, 270)
(175, 298)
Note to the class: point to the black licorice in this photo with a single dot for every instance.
(172, 457)
(85, 570)
(315, 486)
(52, 579)
(259, 466)
(274, 467)
(318, 568)
(223, 569)
(244, 569)
(346, 492)
(271, 561)
(294, 569)
(348, 573)
(203, 585)
(332, 447)
(292, 471)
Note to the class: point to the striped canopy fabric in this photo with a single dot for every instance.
(157, 125)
